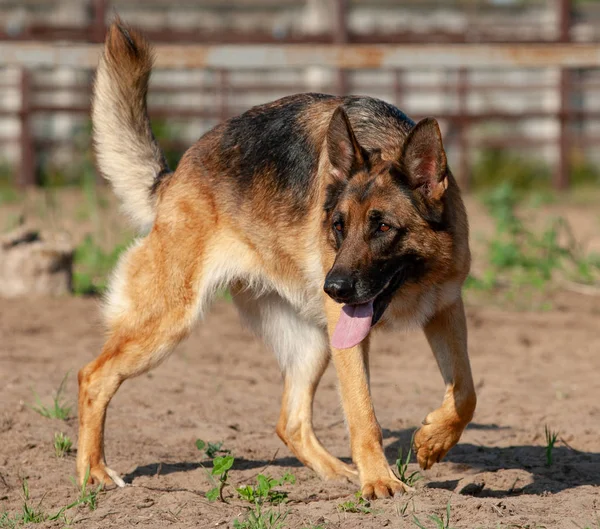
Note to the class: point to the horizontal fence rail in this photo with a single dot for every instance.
(346, 56)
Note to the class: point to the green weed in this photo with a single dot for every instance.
(220, 471)
(360, 505)
(261, 519)
(402, 467)
(92, 266)
(87, 497)
(62, 444)
(520, 258)
(211, 449)
(29, 514)
(495, 167)
(264, 491)
(60, 409)
(35, 514)
(441, 522)
(551, 438)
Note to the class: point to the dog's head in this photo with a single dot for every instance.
(385, 220)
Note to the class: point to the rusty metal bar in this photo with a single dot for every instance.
(561, 174)
(99, 22)
(399, 87)
(462, 90)
(341, 37)
(221, 94)
(26, 176)
(350, 56)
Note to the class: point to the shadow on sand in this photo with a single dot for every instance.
(570, 468)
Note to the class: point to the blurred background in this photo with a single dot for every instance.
(533, 127)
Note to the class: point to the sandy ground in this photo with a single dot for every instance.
(531, 369)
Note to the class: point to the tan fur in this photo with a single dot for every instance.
(202, 238)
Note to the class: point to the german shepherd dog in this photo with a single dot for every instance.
(326, 217)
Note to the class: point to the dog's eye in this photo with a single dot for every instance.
(337, 226)
(383, 227)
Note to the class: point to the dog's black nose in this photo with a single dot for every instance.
(340, 287)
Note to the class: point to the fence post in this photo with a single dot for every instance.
(463, 129)
(222, 87)
(341, 37)
(99, 22)
(27, 166)
(561, 175)
(398, 88)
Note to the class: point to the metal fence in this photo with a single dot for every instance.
(339, 51)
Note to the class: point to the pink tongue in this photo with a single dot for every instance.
(353, 326)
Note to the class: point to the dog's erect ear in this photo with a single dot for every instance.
(345, 153)
(423, 159)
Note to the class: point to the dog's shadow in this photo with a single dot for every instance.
(570, 468)
(163, 469)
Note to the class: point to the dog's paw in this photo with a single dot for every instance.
(102, 475)
(383, 487)
(433, 441)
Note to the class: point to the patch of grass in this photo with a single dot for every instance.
(264, 491)
(92, 266)
(495, 167)
(551, 438)
(402, 467)
(62, 444)
(211, 449)
(34, 514)
(520, 259)
(87, 497)
(441, 522)
(60, 409)
(360, 505)
(219, 475)
(261, 519)
(29, 514)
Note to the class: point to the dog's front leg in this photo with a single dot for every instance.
(352, 366)
(442, 428)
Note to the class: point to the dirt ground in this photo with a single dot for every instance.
(531, 369)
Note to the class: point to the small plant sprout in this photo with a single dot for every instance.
(86, 496)
(60, 409)
(259, 519)
(31, 514)
(441, 522)
(211, 449)
(264, 489)
(402, 467)
(221, 466)
(62, 444)
(551, 438)
(359, 506)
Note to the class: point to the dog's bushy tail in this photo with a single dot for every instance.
(126, 150)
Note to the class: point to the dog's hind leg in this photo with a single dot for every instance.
(302, 349)
(152, 304)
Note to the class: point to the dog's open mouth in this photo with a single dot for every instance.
(356, 320)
